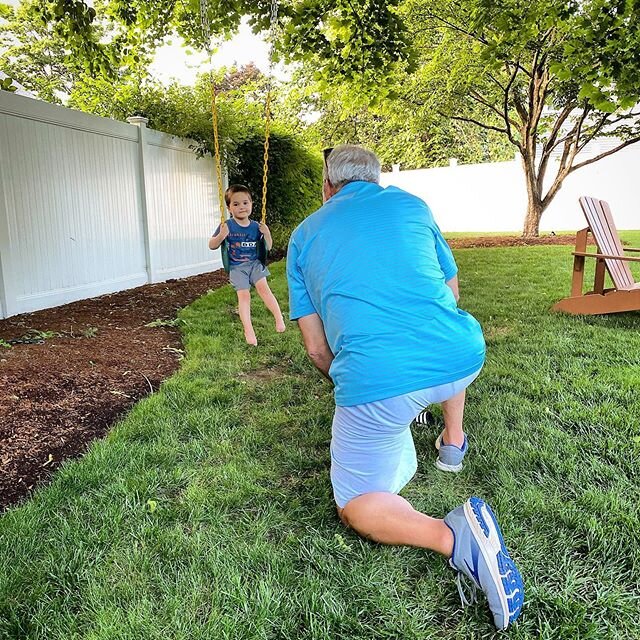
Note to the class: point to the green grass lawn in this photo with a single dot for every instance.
(207, 512)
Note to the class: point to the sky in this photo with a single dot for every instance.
(173, 61)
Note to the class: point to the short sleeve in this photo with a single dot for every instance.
(445, 256)
(215, 233)
(300, 303)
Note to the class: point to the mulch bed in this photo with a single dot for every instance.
(509, 241)
(73, 370)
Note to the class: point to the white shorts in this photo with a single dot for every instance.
(371, 444)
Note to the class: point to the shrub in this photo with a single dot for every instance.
(294, 187)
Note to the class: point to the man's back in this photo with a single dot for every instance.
(373, 264)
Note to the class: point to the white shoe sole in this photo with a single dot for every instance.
(490, 546)
(451, 468)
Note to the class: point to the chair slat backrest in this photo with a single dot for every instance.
(598, 215)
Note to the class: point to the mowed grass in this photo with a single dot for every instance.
(207, 512)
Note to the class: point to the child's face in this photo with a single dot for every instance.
(240, 205)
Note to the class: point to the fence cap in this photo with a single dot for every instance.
(137, 120)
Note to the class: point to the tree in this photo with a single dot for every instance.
(359, 40)
(548, 75)
(49, 58)
(33, 54)
(398, 129)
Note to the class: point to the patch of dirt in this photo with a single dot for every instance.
(74, 370)
(508, 241)
(262, 375)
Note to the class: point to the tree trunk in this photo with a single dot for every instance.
(534, 199)
(532, 219)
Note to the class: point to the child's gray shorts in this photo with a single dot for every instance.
(244, 276)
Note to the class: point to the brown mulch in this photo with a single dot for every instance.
(59, 392)
(508, 241)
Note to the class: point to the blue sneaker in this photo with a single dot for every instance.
(450, 457)
(479, 554)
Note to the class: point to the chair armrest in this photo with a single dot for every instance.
(604, 255)
(630, 249)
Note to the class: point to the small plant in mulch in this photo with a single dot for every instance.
(5, 344)
(164, 322)
(34, 336)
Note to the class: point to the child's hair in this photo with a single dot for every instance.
(233, 189)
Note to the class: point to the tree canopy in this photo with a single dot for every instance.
(545, 76)
(548, 75)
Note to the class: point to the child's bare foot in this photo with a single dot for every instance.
(280, 325)
(251, 339)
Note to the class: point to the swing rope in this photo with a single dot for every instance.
(273, 25)
(206, 30)
(216, 149)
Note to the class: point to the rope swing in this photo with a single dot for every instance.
(206, 31)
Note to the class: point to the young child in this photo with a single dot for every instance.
(245, 269)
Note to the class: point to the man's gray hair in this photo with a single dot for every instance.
(350, 163)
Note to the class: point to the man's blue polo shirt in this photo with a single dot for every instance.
(372, 263)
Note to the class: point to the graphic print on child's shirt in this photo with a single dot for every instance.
(242, 242)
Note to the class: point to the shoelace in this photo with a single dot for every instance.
(463, 581)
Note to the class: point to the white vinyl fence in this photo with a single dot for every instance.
(90, 206)
(493, 197)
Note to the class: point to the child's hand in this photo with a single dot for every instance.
(224, 231)
(264, 230)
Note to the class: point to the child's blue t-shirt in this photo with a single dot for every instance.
(372, 263)
(242, 241)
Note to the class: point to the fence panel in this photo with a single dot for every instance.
(492, 197)
(181, 208)
(91, 206)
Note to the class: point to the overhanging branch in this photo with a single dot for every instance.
(483, 125)
(626, 143)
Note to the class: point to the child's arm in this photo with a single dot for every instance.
(217, 239)
(268, 240)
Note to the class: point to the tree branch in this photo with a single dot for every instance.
(626, 143)
(592, 133)
(476, 122)
(551, 143)
(494, 79)
(452, 26)
(505, 104)
(483, 101)
(568, 155)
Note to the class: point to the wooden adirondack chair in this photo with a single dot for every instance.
(610, 258)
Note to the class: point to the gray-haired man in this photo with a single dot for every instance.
(373, 286)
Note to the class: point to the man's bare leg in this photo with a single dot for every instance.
(453, 411)
(390, 519)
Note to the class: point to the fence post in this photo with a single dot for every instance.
(141, 123)
(8, 296)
